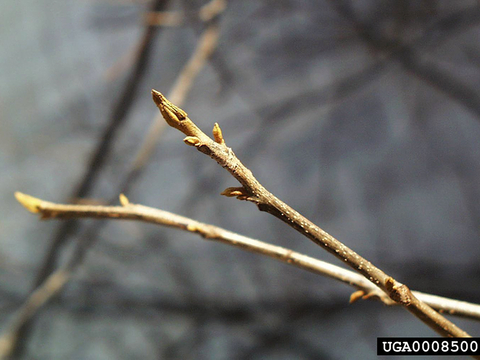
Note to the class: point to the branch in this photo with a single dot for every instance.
(175, 18)
(252, 190)
(56, 281)
(205, 47)
(100, 154)
(47, 290)
(103, 148)
(409, 53)
(129, 211)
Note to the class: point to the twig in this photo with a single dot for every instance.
(50, 287)
(130, 211)
(450, 306)
(252, 190)
(175, 18)
(164, 18)
(55, 282)
(97, 159)
(49, 210)
(409, 54)
(206, 45)
(102, 151)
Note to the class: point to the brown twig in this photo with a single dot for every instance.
(206, 45)
(97, 159)
(410, 54)
(164, 18)
(252, 190)
(49, 288)
(100, 154)
(175, 18)
(129, 211)
(55, 282)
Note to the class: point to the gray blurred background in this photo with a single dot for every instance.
(362, 115)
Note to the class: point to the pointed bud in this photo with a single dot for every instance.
(217, 134)
(191, 140)
(124, 200)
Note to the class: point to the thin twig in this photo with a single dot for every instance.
(164, 18)
(130, 211)
(102, 151)
(97, 160)
(175, 18)
(49, 288)
(55, 282)
(205, 47)
(252, 190)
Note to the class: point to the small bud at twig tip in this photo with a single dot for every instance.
(158, 97)
(124, 200)
(191, 140)
(172, 114)
(30, 203)
(217, 134)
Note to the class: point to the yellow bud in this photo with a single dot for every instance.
(30, 203)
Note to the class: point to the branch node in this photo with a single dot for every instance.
(217, 134)
(398, 292)
(30, 203)
(192, 141)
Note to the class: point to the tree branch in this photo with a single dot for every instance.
(205, 47)
(175, 18)
(39, 297)
(252, 190)
(57, 280)
(128, 211)
(99, 156)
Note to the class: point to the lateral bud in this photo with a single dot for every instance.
(191, 140)
(239, 192)
(357, 295)
(217, 134)
(124, 200)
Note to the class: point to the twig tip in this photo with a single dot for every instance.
(157, 97)
(30, 203)
(172, 114)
